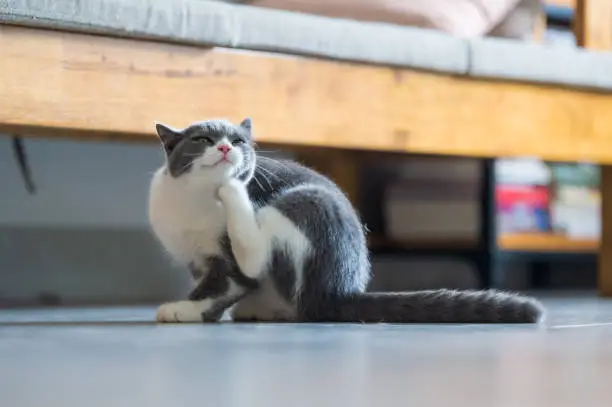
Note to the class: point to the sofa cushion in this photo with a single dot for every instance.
(465, 18)
(182, 21)
(376, 43)
(513, 60)
(228, 25)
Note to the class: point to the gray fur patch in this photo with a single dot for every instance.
(283, 273)
(435, 306)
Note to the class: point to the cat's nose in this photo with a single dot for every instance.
(224, 148)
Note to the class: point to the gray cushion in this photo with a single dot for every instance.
(377, 43)
(239, 26)
(513, 60)
(220, 23)
(182, 21)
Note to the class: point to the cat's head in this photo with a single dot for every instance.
(213, 150)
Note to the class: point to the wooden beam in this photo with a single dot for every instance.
(91, 86)
(593, 24)
(593, 29)
(604, 284)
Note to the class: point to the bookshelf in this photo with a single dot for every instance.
(515, 242)
(492, 247)
(545, 242)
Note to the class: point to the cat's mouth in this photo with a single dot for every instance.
(221, 161)
(224, 159)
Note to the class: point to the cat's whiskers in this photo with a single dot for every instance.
(263, 157)
(278, 162)
(263, 175)
(258, 183)
(264, 171)
(267, 171)
(259, 158)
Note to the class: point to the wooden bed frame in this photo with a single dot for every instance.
(93, 87)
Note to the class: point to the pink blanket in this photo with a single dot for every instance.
(465, 18)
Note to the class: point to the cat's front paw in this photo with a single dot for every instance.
(181, 311)
(232, 191)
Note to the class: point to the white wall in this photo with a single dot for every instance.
(83, 236)
(79, 184)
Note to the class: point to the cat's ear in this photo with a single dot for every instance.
(168, 136)
(247, 124)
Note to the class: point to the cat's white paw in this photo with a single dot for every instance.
(233, 191)
(182, 311)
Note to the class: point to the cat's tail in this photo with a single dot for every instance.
(435, 306)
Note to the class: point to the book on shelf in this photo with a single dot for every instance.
(548, 198)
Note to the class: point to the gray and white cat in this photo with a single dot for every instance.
(276, 241)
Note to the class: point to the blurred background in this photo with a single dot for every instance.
(430, 114)
(82, 237)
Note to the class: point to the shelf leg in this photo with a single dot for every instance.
(593, 25)
(593, 29)
(487, 258)
(540, 274)
(604, 281)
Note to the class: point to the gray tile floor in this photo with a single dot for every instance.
(115, 357)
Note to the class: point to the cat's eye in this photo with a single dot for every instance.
(206, 140)
(238, 141)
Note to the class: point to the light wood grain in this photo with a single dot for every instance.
(593, 25)
(561, 3)
(90, 86)
(545, 242)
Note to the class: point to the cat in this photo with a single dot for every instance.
(272, 240)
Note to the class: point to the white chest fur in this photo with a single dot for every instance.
(187, 220)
